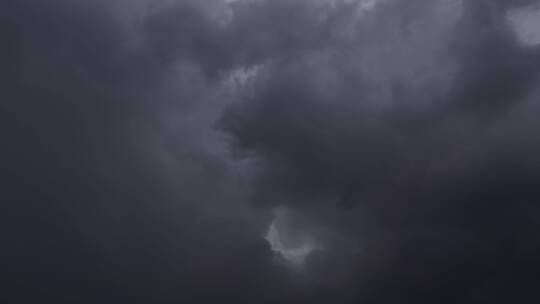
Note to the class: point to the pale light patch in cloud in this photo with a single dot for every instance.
(526, 24)
(368, 5)
(241, 76)
(291, 245)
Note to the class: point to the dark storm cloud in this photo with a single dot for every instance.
(402, 136)
(109, 166)
(321, 125)
(433, 157)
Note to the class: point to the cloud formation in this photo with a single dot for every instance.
(147, 143)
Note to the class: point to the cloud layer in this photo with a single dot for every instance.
(146, 145)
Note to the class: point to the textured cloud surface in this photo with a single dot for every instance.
(270, 151)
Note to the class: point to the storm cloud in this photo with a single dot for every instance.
(269, 151)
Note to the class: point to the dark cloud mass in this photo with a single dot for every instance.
(268, 151)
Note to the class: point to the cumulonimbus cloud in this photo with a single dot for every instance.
(146, 143)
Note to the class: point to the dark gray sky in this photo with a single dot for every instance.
(270, 151)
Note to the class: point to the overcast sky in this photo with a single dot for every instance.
(270, 151)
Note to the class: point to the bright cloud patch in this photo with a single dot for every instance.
(293, 246)
(526, 24)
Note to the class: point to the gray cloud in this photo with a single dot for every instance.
(417, 144)
(400, 138)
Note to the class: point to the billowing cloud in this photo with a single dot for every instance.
(148, 144)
